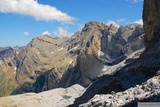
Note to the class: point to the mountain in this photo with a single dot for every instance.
(6, 54)
(136, 82)
(110, 48)
(111, 63)
(8, 70)
(47, 63)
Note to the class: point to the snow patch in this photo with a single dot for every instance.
(15, 68)
(60, 49)
(100, 53)
(71, 61)
(104, 68)
(74, 48)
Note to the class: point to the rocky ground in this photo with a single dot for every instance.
(145, 90)
(59, 97)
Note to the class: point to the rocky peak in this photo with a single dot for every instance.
(6, 54)
(132, 26)
(112, 28)
(119, 43)
(93, 25)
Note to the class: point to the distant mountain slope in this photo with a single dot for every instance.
(47, 63)
(8, 70)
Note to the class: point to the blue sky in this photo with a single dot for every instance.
(22, 20)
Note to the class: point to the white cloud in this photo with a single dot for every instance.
(46, 33)
(26, 33)
(36, 10)
(113, 23)
(61, 32)
(140, 21)
(121, 20)
(135, 1)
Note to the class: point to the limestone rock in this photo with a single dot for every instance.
(123, 98)
(6, 54)
(151, 19)
(59, 97)
(105, 46)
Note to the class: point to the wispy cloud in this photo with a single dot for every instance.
(117, 23)
(113, 23)
(61, 32)
(46, 33)
(134, 1)
(26, 33)
(36, 10)
(121, 20)
(140, 21)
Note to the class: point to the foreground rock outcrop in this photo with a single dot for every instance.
(132, 95)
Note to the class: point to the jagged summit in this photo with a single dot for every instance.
(95, 24)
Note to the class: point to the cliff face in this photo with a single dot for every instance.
(103, 47)
(151, 20)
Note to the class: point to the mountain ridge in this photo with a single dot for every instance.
(47, 63)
